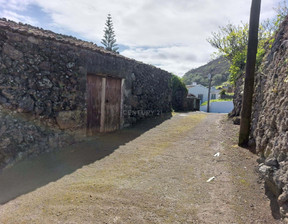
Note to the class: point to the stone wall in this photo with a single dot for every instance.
(270, 117)
(237, 98)
(43, 81)
(22, 135)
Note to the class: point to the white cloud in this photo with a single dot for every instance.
(176, 59)
(168, 33)
(18, 5)
(18, 17)
(13, 9)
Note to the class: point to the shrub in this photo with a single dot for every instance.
(179, 93)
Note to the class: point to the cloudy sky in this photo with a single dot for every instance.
(170, 34)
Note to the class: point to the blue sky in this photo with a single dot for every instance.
(170, 34)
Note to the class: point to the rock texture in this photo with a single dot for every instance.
(270, 117)
(237, 98)
(43, 76)
(22, 135)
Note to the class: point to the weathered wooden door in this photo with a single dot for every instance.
(104, 104)
(94, 89)
(112, 104)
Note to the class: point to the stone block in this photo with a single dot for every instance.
(70, 119)
(236, 120)
(33, 40)
(271, 162)
(12, 52)
(45, 83)
(26, 105)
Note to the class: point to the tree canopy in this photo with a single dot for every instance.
(231, 41)
(109, 40)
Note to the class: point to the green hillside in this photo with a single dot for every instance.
(219, 69)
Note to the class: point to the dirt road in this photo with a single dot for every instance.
(159, 177)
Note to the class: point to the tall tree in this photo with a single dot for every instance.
(231, 41)
(249, 76)
(109, 40)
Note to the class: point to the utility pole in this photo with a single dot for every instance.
(209, 90)
(246, 111)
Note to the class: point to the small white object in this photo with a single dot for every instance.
(183, 115)
(210, 179)
(217, 154)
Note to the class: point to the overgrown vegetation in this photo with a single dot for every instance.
(273, 24)
(218, 68)
(179, 93)
(231, 41)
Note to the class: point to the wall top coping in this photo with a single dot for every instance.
(37, 32)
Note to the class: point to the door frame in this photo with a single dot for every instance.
(103, 95)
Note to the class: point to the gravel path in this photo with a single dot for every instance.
(159, 177)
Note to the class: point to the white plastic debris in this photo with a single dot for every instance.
(210, 179)
(183, 115)
(217, 154)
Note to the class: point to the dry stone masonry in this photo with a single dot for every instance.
(43, 88)
(269, 127)
(270, 117)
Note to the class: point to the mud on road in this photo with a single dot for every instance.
(159, 177)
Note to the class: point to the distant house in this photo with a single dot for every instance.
(201, 92)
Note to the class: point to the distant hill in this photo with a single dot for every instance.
(219, 69)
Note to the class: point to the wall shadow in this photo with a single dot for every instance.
(29, 174)
(275, 209)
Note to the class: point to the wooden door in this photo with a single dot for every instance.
(112, 104)
(94, 92)
(104, 104)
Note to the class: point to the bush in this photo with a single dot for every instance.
(179, 93)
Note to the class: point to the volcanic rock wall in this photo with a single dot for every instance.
(270, 117)
(43, 89)
(238, 94)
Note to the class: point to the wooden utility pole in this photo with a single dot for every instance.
(246, 111)
(209, 91)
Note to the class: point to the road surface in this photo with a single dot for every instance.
(188, 169)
